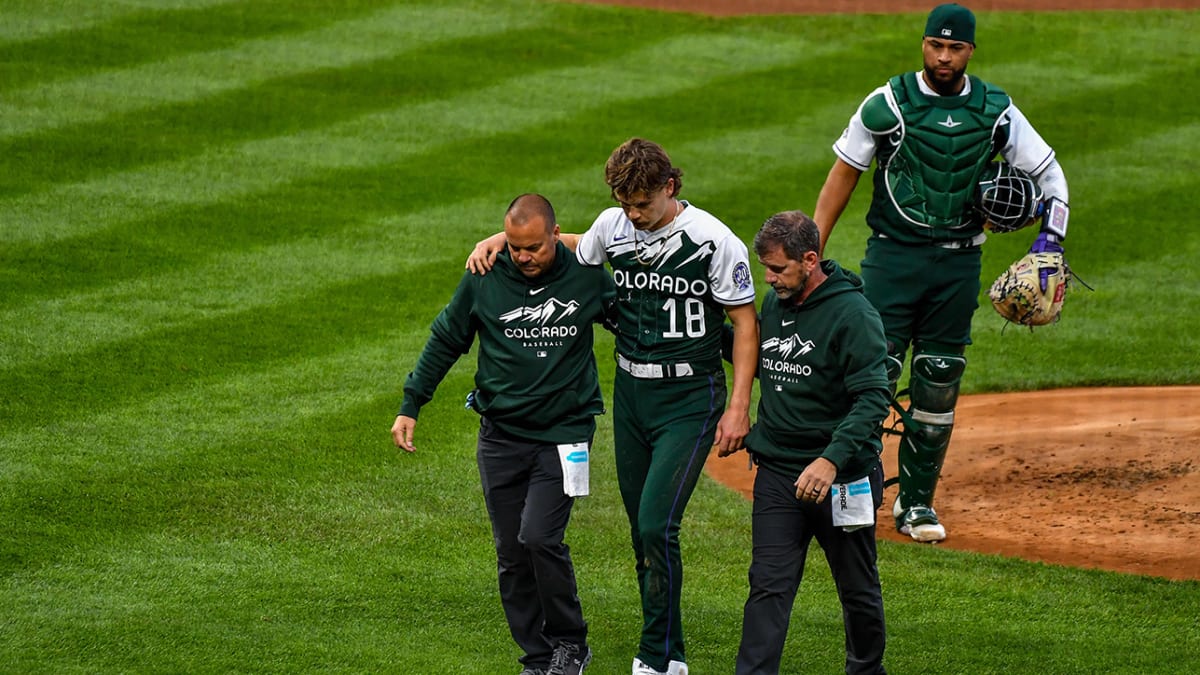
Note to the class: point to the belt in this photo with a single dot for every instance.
(654, 371)
(973, 242)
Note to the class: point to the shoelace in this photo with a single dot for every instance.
(562, 656)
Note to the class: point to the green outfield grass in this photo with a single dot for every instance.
(225, 227)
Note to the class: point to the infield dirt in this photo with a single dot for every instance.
(1100, 478)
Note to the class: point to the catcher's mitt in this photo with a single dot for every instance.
(1018, 296)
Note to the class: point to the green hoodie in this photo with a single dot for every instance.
(536, 372)
(822, 380)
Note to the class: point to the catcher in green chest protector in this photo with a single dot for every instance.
(935, 136)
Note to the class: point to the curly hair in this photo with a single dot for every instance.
(640, 166)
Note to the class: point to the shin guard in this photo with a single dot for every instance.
(933, 393)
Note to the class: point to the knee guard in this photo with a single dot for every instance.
(933, 393)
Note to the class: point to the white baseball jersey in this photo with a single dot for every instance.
(673, 284)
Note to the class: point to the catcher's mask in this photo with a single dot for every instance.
(1009, 198)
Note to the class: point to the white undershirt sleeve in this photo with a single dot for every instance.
(857, 145)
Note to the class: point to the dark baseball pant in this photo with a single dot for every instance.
(783, 527)
(663, 432)
(922, 293)
(926, 297)
(523, 489)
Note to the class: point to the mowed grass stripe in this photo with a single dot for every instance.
(26, 20)
(376, 139)
(46, 214)
(110, 375)
(320, 450)
(156, 33)
(52, 328)
(238, 403)
(276, 107)
(179, 603)
(333, 249)
(382, 34)
(1075, 125)
(240, 280)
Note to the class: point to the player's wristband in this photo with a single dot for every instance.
(1056, 217)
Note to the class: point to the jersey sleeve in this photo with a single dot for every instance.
(729, 273)
(1025, 148)
(591, 251)
(860, 139)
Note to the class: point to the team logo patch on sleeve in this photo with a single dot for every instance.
(741, 276)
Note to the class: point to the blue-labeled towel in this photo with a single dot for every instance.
(574, 459)
(852, 505)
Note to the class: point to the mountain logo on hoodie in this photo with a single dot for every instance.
(792, 346)
(552, 310)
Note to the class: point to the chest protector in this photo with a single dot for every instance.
(930, 159)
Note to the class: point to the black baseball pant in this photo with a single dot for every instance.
(783, 526)
(523, 488)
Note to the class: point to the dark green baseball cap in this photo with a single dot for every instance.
(951, 22)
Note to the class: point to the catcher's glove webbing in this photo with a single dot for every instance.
(1018, 295)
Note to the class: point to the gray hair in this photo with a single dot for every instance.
(792, 231)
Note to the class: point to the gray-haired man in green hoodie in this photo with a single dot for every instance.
(537, 393)
(823, 395)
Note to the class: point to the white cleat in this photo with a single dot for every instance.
(640, 668)
(926, 534)
(919, 522)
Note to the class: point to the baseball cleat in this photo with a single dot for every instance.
(640, 667)
(569, 659)
(919, 522)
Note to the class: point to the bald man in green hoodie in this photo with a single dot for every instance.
(537, 393)
(823, 394)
